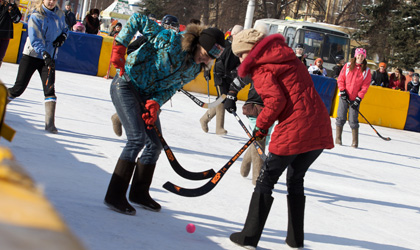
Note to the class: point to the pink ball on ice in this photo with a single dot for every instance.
(190, 228)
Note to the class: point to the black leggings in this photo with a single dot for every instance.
(27, 67)
(296, 165)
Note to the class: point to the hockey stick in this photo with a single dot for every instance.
(256, 144)
(169, 154)
(50, 69)
(203, 104)
(383, 138)
(194, 192)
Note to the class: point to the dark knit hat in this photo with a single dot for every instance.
(213, 41)
(67, 3)
(94, 11)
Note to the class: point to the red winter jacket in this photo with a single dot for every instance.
(289, 97)
(355, 82)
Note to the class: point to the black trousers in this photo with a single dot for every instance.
(27, 67)
(296, 165)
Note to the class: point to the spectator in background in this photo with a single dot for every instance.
(408, 77)
(115, 29)
(397, 80)
(9, 14)
(318, 69)
(224, 73)
(79, 27)
(152, 17)
(380, 76)
(339, 66)
(70, 17)
(92, 22)
(300, 53)
(413, 85)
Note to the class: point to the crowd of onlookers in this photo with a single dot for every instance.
(396, 80)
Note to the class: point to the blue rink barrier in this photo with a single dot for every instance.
(326, 88)
(413, 114)
(80, 54)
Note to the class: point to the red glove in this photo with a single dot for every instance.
(259, 134)
(118, 57)
(150, 116)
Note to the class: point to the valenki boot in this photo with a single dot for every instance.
(296, 212)
(246, 163)
(259, 208)
(338, 133)
(50, 104)
(257, 162)
(206, 118)
(115, 197)
(220, 120)
(355, 135)
(116, 124)
(139, 192)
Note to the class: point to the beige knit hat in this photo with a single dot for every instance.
(245, 40)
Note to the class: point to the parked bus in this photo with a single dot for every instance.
(320, 41)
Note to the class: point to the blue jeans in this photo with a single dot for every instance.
(138, 136)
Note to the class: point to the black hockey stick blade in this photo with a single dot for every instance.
(194, 192)
(203, 104)
(256, 144)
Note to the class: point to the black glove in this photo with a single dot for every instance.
(259, 134)
(344, 95)
(230, 101)
(356, 103)
(59, 41)
(48, 60)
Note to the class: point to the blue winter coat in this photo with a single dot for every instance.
(43, 29)
(159, 67)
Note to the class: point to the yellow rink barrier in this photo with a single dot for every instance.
(199, 85)
(27, 219)
(382, 106)
(105, 57)
(13, 48)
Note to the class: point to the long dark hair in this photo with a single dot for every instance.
(353, 64)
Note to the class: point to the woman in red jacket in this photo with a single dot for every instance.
(397, 80)
(302, 132)
(353, 83)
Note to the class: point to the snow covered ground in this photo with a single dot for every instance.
(365, 198)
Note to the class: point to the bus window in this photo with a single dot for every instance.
(333, 47)
(273, 29)
(289, 35)
(313, 42)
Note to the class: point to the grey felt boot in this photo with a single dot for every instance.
(257, 162)
(355, 135)
(338, 133)
(220, 120)
(246, 163)
(116, 124)
(50, 117)
(205, 119)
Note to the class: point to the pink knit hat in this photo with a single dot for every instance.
(360, 51)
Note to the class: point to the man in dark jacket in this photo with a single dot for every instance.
(224, 73)
(9, 14)
(380, 76)
(70, 17)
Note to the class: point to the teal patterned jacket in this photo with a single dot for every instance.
(158, 68)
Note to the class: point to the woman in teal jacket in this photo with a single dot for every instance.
(47, 29)
(154, 72)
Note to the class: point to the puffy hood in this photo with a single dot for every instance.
(270, 50)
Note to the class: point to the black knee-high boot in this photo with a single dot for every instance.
(115, 197)
(296, 211)
(259, 209)
(139, 192)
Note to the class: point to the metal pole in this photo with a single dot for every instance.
(249, 14)
(84, 10)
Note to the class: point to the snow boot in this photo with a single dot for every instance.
(259, 208)
(139, 192)
(257, 162)
(296, 211)
(207, 118)
(116, 124)
(115, 197)
(220, 120)
(355, 134)
(338, 133)
(246, 163)
(50, 115)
